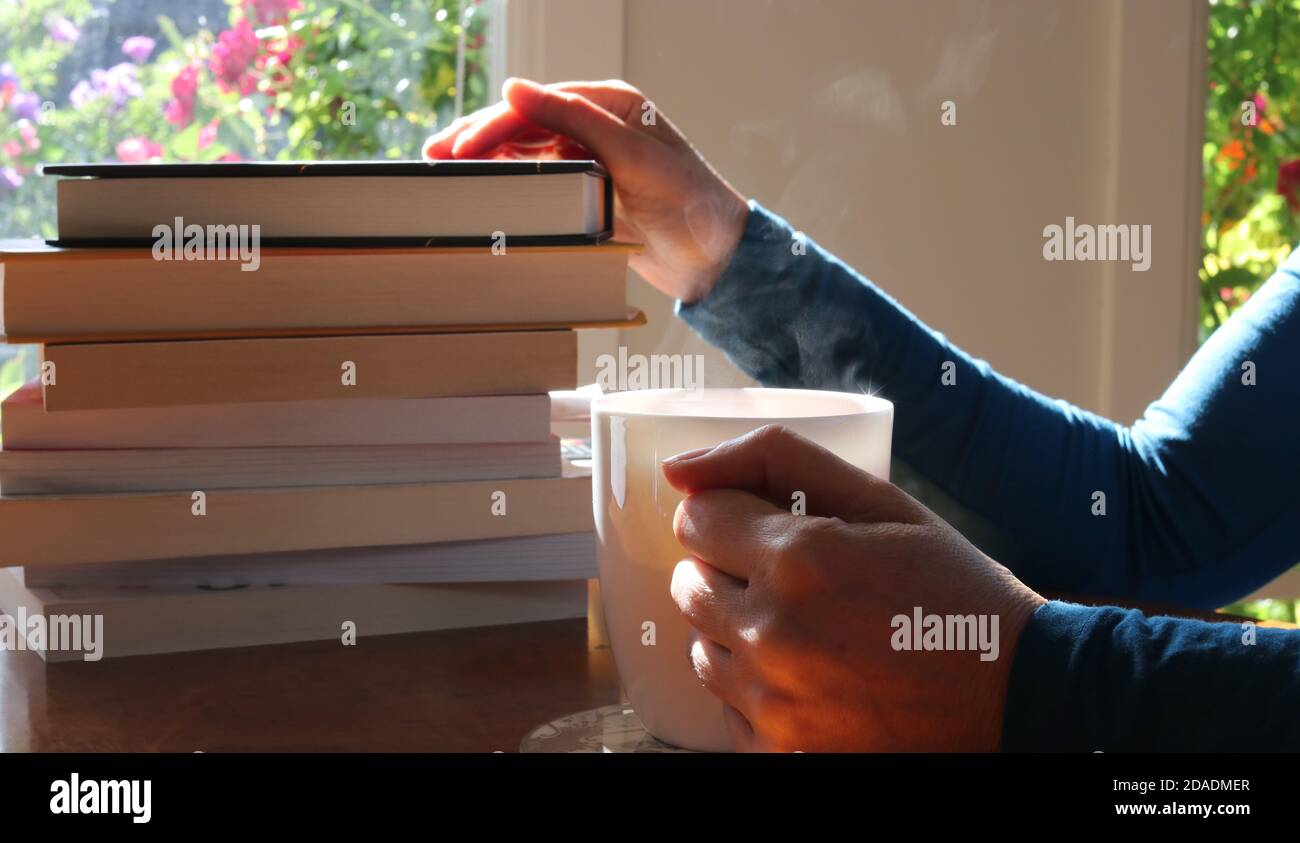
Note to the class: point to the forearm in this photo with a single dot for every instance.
(1088, 679)
(1185, 506)
(1010, 455)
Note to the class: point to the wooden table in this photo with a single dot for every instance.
(469, 690)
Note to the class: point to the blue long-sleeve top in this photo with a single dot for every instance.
(1201, 506)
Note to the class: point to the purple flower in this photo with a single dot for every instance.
(62, 29)
(118, 83)
(138, 48)
(7, 75)
(9, 178)
(81, 94)
(25, 104)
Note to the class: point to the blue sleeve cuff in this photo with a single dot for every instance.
(1102, 678)
(765, 244)
(771, 298)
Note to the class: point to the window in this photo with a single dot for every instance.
(1251, 204)
(138, 80)
(226, 79)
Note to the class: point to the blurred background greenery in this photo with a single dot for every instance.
(1267, 610)
(1251, 202)
(1251, 196)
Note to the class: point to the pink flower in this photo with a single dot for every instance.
(13, 149)
(138, 48)
(1261, 103)
(185, 85)
(231, 157)
(138, 150)
(28, 133)
(273, 11)
(208, 133)
(61, 29)
(179, 113)
(232, 55)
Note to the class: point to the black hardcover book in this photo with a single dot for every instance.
(336, 203)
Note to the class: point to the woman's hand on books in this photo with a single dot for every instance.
(667, 197)
(807, 626)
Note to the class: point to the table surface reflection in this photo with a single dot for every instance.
(465, 690)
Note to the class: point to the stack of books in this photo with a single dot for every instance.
(276, 399)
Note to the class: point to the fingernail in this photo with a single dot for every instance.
(517, 81)
(687, 455)
(459, 143)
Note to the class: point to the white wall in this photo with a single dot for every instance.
(827, 111)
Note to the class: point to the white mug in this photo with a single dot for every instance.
(632, 433)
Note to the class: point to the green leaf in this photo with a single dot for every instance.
(185, 146)
(171, 33)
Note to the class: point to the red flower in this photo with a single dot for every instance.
(179, 113)
(1288, 180)
(232, 55)
(274, 63)
(185, 86)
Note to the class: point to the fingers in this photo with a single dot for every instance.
(490, 132)
(731, 530)
(615, 96)
(478, 134)
(493, 129)
(716, 671)
(775, 463)
(742, 733)
(573, 116)
(439, 145)
(711, 600)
